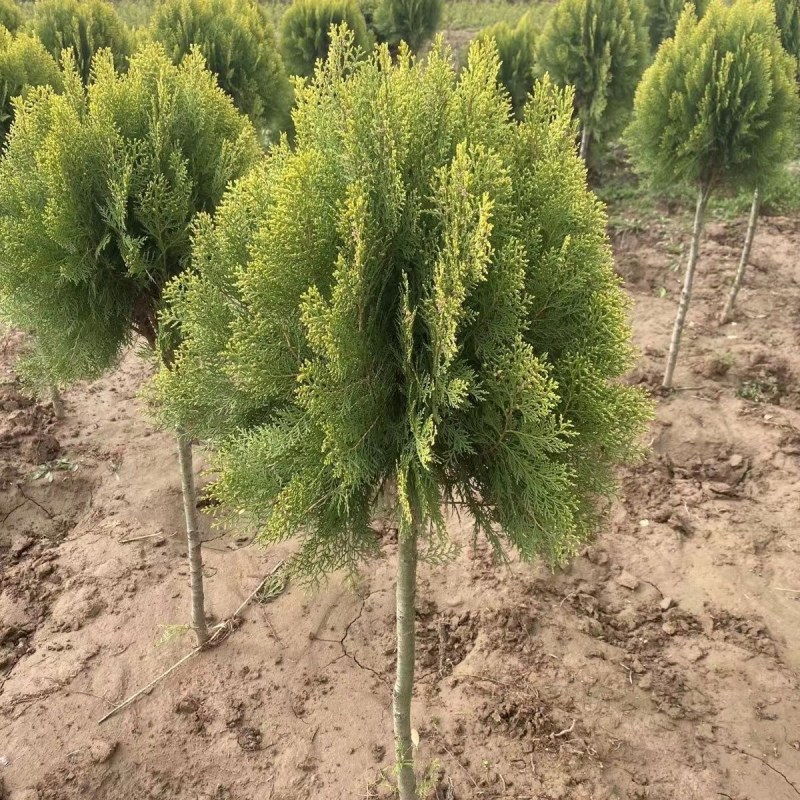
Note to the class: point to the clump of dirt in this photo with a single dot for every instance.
(747, 633)
(444, 639)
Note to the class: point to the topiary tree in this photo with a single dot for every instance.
(240, 48)
(601, 48)
(717, 106)
(100, 186)
(305, 32)
(82, 27)
(24, 64)
(10, 16)
(416, 306)
(411, 21)
(663, 16)
(516, 48)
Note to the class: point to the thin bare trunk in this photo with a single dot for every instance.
(727, 312)
(57, 402)
(584, 152)
(192, 538)
(686, 293)
(404, 682)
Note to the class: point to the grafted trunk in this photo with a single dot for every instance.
(192, 538)
(404, 681)
(686, 293)
(727, 312)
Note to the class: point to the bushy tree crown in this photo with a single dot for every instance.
(719, 102)
(10, 16)
(239, 46)
(417, 291)
(663, 16)
(99, 187)
(305, 31)
(411, 21)
(600, 47)
(516, 48)
(83, 27)
(24, 64)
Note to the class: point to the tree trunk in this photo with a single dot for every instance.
(686, 293)
(57, 402)
(192, 538)
(584, 152)
(727, 312)
(404, 681)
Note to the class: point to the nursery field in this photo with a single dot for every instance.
(662, 664)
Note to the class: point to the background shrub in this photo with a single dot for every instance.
(411, 21)
(663, 16)
(239, 46)
(83, 27)
(305, 31)
(787, 15)
(10, 15)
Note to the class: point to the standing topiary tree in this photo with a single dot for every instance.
(24, 64)
(601, 48)
(305, 32)
(411, 21)
(663, 16)
(10, 16)
(717, 106)
(240, 48)
(100, 186)
(416, 306)
(82, 27)
(516, 48)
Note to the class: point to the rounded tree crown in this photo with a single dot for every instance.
(10, 15)
(100, 185)
(24, 64)
(719, 103)
(305, 32)
(600, 47)
(516, 48)
(417, 292)
(411, 21)
(239, 47)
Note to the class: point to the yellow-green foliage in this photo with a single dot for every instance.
(719, 103)
(516, 47)
(305, 31)
(24, 63)
(240, 48)
(418, 291)
(10, 16)
(82, 27)
(411, 21)
(600, 47)
(100, 186)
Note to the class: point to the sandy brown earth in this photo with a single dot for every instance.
(663, 664)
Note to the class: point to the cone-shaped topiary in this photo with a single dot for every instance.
(517, 50)
(718, 106)
(411, 21)
(419, 303)
(601, 48)
(82, 27)
(663, 16)
(10, 16)
(24, 64)
(305, 31)
(100, 186)
(240, 48)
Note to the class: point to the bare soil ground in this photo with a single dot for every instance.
(663, 664)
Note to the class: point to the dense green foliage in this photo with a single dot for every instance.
(421, 292)
(719, 103)
(663, 16)
(100, 185)
(516, 48)
(787, 15)
(82, 27)
(411, 21)
(24, 64)
(305, 31)
(10, 16)
(600, 47)
(240, 48)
